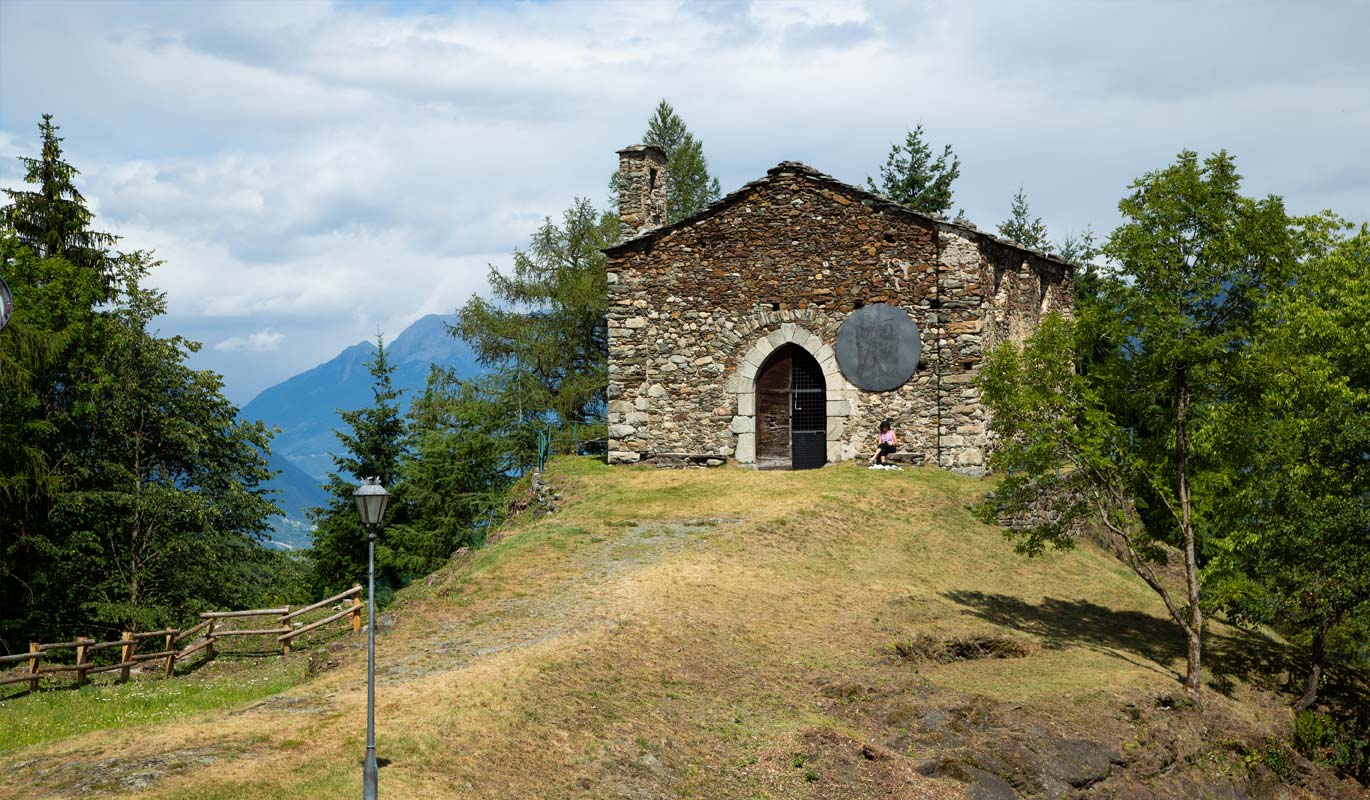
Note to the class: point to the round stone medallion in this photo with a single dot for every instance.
(878, 347)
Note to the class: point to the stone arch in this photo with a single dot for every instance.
(741, 387)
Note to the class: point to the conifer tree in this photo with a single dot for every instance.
(544, 335)
(689, 186)
(373, 444)
(52, 218)
(456, 471)
(912, 177)
(129, 492)
(1021, 226)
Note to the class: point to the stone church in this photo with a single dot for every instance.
(778, 326)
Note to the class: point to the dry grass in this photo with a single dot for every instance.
(679, 634)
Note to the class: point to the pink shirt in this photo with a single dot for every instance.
(887, 437)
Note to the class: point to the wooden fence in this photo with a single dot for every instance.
(201, 637)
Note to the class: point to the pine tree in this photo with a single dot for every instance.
(129, 491)
(53, 218)
(1021, 227)
(912, 177)
(690, 187)
(456, 471)
(373, 441)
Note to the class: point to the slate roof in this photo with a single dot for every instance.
(798, 168)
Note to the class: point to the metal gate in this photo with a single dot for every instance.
(808, 413)
(791, 411)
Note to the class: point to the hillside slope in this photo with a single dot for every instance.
(838, 633)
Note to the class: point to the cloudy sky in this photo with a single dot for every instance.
(311, 172)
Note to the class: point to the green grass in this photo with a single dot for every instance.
(56, 714)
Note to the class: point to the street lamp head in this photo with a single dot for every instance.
(371, 499)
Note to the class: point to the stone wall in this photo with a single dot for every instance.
(695, 309)
(642, 177)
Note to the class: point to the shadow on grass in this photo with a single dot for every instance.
(1147, 641)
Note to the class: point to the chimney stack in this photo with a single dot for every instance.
(641, 189)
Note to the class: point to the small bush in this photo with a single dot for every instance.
(1322, 738)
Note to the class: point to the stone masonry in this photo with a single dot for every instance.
(695, 309)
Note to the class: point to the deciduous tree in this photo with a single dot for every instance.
(1194, 258)
(1297, 435)
(543, 334)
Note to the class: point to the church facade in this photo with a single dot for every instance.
(779, 326)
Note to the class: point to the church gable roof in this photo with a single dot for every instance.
(799, 169)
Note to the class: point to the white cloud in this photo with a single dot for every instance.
(262, 341)
(320, 171)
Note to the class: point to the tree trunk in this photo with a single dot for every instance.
(1194, 634)
(1316, 657)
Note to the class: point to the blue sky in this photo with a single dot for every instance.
(313, 172)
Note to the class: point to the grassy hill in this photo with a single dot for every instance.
(839, 633)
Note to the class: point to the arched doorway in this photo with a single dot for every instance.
(791, 411)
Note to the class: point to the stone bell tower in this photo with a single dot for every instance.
(641, 189)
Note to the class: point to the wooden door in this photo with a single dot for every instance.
(773, 410)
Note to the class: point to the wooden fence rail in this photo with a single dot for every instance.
(202, 636)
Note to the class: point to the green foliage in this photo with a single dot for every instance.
(373, 444)
(911, 176)
(52, 219)
(1165, 344)
(1326, 740)
(1021, 226)
(1295, 495)
(543, 334)
(456, 474)
(131, 492)
(689, 186)
(1060, 450)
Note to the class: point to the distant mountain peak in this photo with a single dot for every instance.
(305, 406)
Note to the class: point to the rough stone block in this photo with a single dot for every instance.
(746, 448)
(744, 424)
(621, 431)
(838, 408)
(971, 456)
(624, 457)
(746, 403)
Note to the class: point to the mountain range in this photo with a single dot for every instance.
(305, 409)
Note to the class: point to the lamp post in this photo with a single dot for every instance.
(370, 498)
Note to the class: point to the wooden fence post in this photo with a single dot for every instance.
(285, 643)
(35, 648)
(171, 653)
(209, 635)
(356, 613)
(81, 661)
(125, 653)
